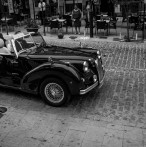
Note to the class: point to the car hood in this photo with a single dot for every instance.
(65, 53)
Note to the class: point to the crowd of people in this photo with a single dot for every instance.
(77, 15)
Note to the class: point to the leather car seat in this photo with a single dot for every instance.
(3, 50)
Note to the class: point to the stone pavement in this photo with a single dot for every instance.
(114, 116)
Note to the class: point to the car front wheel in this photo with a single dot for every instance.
(54, 92)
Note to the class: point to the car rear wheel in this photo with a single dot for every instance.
(54, 92)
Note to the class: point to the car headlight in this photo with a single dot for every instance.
(96, 62)
(98, 54)
(86, 66)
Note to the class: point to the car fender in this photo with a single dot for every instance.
(31, 81)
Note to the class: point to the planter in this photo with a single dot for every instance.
(32, 30)
(60, 35)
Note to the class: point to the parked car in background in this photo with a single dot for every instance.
(54, 72)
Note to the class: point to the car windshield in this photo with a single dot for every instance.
(27, 43)
(24, 43)
(38, 39)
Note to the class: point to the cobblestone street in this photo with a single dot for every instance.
(122, 98)
(113, 116)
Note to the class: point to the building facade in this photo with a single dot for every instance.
(111, 7)
(129, 7)
(66, 6)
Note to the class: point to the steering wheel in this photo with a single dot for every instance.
(42, 44)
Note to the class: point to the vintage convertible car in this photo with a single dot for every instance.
(54, 72)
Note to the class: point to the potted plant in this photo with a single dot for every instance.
(60, 34)
(31, 26)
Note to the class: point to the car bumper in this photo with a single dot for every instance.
(84, 91)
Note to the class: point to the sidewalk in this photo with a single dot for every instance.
(121, 32)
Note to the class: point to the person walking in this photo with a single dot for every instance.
(42, 9)
(76, 17)
(87, 16)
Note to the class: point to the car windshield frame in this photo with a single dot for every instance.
(34, 43)
(22, 44)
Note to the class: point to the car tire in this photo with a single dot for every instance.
(54, 92)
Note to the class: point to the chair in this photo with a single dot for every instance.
(138, 24)
(87, 24)
(37, 17)
(135, 20)
(113, 24)
(47, 23)
(101, 25)
(3, 24)
(55, 24)
(12, 22)
(68, 22)
(98, 17)
(132, 20)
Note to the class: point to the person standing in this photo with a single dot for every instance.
(42, 9)
(76, 16)
(87, 17)
(17, 11)
(88, 11)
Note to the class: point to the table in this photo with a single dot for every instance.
(61, 21)
(56, 23)
(6, 19)
(102, 26)
(107, 21)
(5, 22)
(25, 16)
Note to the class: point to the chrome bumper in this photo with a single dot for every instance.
(91, 87)
(88, 89)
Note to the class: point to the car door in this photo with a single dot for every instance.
(2, 69)
(6, 70)
(12, 69)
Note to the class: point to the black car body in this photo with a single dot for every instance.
(54, 72)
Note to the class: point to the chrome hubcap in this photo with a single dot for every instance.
(54, 92)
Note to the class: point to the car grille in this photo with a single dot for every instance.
(100, 70)
(88, 78)
(96, 63)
